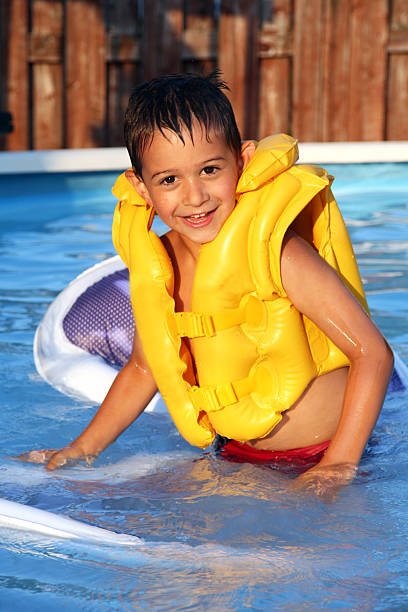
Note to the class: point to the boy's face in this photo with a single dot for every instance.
(191, 185)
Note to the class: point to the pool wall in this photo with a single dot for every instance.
(116, 158)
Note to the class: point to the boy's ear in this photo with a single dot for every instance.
(247, 150)
(138, 184)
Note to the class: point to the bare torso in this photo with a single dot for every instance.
(313, 418)
(315, 415)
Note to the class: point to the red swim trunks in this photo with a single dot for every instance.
(243, 453)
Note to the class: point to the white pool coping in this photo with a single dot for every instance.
(116, 158)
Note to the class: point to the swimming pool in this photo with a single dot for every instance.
(217, 535)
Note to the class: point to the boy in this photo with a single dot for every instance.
(268, 347)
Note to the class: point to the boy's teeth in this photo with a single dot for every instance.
(197, 216)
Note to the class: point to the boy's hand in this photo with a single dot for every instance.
(55, 458)
(326, 481)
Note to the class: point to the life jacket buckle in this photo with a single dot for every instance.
(194, 324)
(212, 399)
(208, 326)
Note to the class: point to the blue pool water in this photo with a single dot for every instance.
(217, 536)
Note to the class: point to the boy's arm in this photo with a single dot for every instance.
(128, 396)
(316, 291)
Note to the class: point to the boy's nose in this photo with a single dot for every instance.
(195, 193)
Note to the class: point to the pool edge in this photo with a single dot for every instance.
(116, 158)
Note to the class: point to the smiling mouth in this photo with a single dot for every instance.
(198, 216)
(199, 219)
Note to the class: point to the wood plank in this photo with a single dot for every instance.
(238, 59)
(274, 97)
(124, 17)
(199, 44)
(275, 36)
(320, 69)
(85, 74)
(172, 33)
(397, 93)
(199, 49)
(162, 37)
(335, 86)
(47, 113)
(16, 98)
(151, 39)
(122, 79)
(308, 66)
(275, 48)
(397, 115)
(398, 35)
(124, 63)
(123, 48)
(45, 47)
(47, 74)
(399, 16)
(125, 26)
(398, 42)
(368, 65)
(4, 45)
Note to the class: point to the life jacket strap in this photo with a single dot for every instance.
(211, 399)
(196, 325)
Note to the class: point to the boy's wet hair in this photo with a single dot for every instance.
(174, 103)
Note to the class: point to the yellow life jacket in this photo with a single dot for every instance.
(254, 352)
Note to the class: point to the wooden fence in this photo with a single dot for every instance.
(322, 70)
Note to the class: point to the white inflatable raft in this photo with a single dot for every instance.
(87, 332)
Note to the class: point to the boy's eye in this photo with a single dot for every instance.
(210, 170)
(169, 180)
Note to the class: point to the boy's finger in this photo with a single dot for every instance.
(36, 456)
(57, 460)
